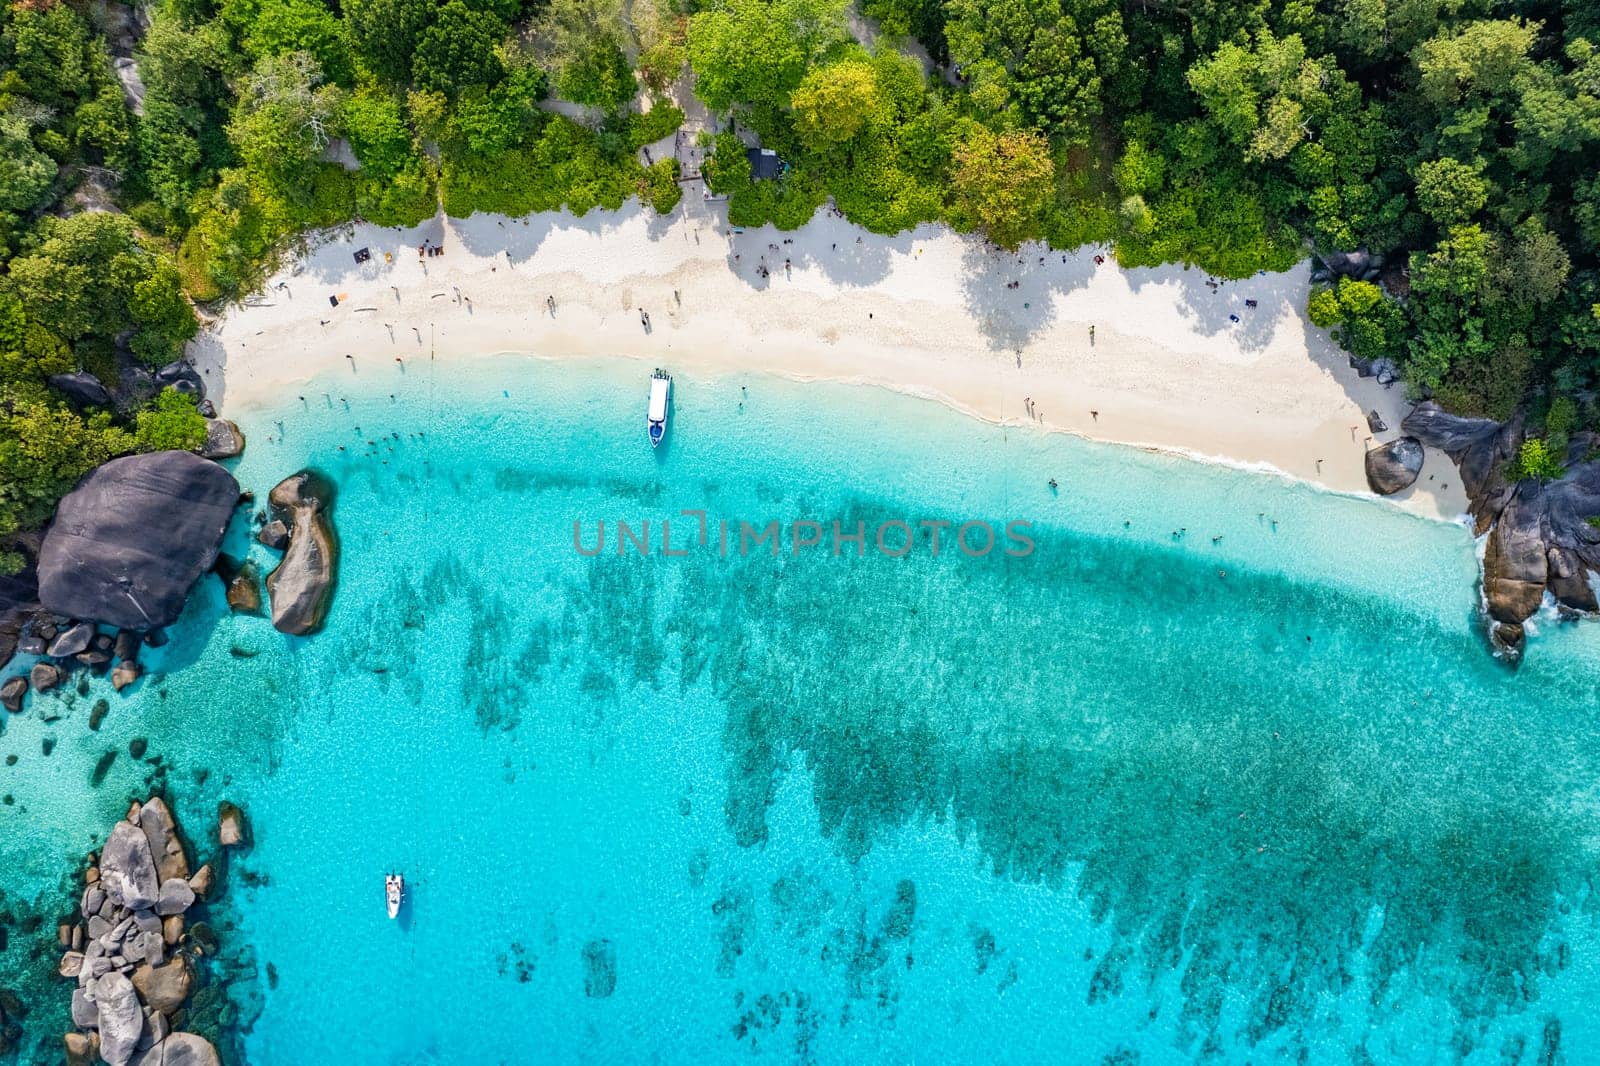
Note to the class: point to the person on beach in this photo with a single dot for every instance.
(1091, 334)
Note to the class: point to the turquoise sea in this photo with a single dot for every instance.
(1143, 796)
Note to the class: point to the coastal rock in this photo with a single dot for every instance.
(128, 644)
(125, 673)
(301, 586)
(274, 535)
(1507, 639)
(73, 640)
(202, 880)
(164, 987)
(84, 1012)
(1540, 536)
(176, 897)
(82, 1049)
(45, 676)
(1375, 422)
(130, 541)
(146, 948)
(156, 1028)
(81, 387)
(1568, 581)
(224, 439)
(1515, 561)
(244, 590)
(181, 376)
(166, 842)
(128, 870)
(12, 691)
(121, 1021)
(180, 1049)
(71, 964)
(172, 930)
(232, 829)
(1394, 466)
(1480, 448)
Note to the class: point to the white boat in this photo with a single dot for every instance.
(660, 399)
(394, 889)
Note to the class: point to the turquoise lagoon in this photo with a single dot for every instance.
(1140, 797)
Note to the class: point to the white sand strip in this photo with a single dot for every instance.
(928, 312)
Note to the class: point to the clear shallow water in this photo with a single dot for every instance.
(1106, 803)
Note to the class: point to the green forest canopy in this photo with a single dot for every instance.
(1459, 137)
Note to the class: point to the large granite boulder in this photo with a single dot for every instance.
(301, 586)
(72, 640)
(81, 387)
(128, 869)
(121, 1018)
(233, 829)
(224, 439)
(244, 589)
(1394, 466)
(130, 541)
(12, 691)
(1515, 564)
(1480, 448)
(160, 828)
(164, 987)
(180, 1049)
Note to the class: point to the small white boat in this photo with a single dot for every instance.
(660, 399)
(394, 890)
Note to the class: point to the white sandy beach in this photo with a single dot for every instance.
(927, 312)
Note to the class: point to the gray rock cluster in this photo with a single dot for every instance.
(65, 645)
(130, 541)
(1359, 265)
(1540, 539)
(301, 585)
(129, 950)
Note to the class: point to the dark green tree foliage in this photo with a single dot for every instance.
(86, 278)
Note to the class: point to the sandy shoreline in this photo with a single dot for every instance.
(928, 313)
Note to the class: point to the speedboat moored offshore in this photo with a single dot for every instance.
(660, 399)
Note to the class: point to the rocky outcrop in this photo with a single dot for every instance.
(179, 1049)
(244, 589)
(81, 387)
(274, 535)
(120, 1018)
(232, 829)
(72, 640)
(160, 828)
(130, 541)
(12, 692)
(224, 439)
(133, 965)
(1359, 265)
(128, 870)
(1394, 466)
(164, 988)
(301, 586)
(1539, 536)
